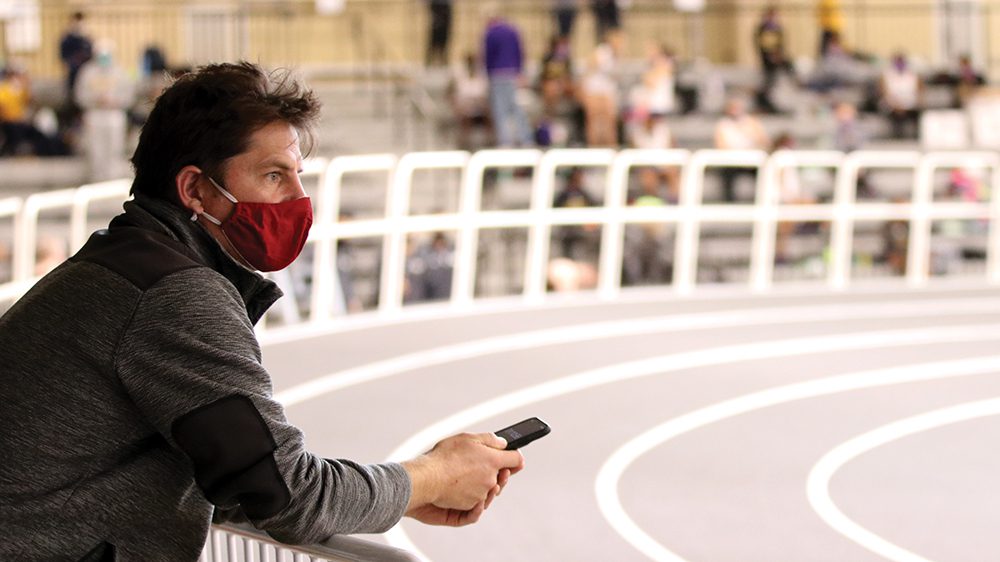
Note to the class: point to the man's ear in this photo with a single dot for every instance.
(189, 188)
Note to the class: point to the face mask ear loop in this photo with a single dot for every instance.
(222, 190)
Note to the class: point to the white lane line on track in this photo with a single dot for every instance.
(419, 313)
(422, 440)
(606, 485)
(818, 486)
(631, 327)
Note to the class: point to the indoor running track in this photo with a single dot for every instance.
(805, 426)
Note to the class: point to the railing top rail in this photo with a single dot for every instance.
(336, 548)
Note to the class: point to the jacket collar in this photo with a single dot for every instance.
(166, 218)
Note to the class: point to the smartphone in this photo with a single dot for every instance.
(524, 432)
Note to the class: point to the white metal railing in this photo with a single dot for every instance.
(397, 223)
(243, 543)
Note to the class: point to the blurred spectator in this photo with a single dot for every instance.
(599, 93)
(790, 192)
(849, 135)
(770, 43)
(901, 91)
(555, 79)
(966, 81)
(837, 68)
(504, 62)
(105, 93)
(651, 101)
(895, 245)
(564, 12)
(75, 49)
(738, 130)
(966, 185)
(19, 133)
(578, 242)
(154, 79)
(606, 17)
(647, 261)
(440, 31)
(831, 23)
(566, 275)
(429, 271)
(468, 92)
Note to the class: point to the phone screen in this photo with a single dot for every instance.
(524, 432)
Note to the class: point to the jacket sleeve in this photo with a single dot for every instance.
(191, 363)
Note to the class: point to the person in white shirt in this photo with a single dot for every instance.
(105, 92)
(738, 130)
(901, 91)
(468, 93)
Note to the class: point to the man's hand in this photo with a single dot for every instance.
(456, 481)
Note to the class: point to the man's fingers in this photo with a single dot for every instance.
(514, 461)
(471, 516)
(493, 440)
(503, 477)
(493, 493)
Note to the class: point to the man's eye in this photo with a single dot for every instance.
(274, 176)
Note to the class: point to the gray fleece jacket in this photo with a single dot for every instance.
(134, 404)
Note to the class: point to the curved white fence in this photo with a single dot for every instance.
(763, 214)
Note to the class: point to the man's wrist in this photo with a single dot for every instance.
(423, 482)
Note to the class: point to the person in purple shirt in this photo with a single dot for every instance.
(504, 61)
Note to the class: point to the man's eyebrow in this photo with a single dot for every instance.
(279, 163)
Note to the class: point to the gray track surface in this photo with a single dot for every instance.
(730, 491)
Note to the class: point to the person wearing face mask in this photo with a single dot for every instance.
(104, 92)
(136, 409)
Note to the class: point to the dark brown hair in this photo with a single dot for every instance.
(208, 116)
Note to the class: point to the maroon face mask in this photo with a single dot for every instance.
(268, 236)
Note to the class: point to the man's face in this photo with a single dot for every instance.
(267, 172)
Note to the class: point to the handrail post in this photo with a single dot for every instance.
(543, 189)
(398, 207)
(325, 274)
(467, 242)
(615, 199)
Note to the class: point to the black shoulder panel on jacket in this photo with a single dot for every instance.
(233, 455)
(139, 255)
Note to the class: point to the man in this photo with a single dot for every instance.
(439, 33)
(564, 13)
(135, 403)
(504, 61)
(607, 17)
(770, 43)
(74, 51)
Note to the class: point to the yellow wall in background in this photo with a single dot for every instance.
(375, 31)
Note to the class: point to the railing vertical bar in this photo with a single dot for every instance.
(466, 246)
(609, 273)
(765, 226)
(841, 234)
(543, 189)
(686, 251)
(398, 207)
(248, 550)
(918, 245)
(216, 546)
